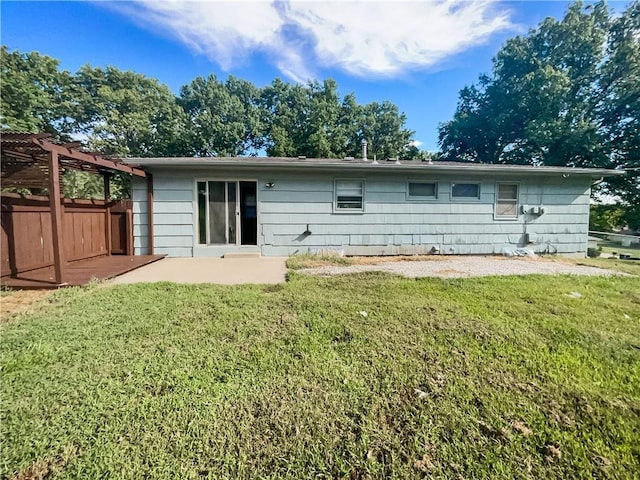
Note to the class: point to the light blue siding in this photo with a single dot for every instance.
(390, 224)
(172, 216)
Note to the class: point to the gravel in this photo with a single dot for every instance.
(464, 266)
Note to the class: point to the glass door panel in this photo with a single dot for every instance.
(231, 212)
(217, 213)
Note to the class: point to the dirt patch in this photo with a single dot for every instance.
(19, 301)
(390, 258)
(39, 470)
(47, 468)
(460, 267)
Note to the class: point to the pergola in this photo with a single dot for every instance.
(37, 160)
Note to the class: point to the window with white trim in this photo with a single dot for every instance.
(465, 190)
(507, 200)
(349, 195)
(422, 190)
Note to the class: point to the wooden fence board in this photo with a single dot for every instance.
(27, 239)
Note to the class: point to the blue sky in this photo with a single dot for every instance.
(417, 54)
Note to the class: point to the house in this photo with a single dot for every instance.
(283, 206)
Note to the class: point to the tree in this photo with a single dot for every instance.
(32, 92)
(285, 109)
(124, 113)
(77, 184)
(223, 119)
(382, 126)
(323, 130)
(347, 139)
(311, 120)
(605, 218)
(565, 94)
(619, 109)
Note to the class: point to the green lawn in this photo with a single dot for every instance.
(631, 267)
(497, 377)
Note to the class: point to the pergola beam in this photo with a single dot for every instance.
(84, 157)
(19, 155)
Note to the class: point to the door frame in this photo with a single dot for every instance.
(196, 223)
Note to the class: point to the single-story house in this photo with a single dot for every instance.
(282, 206)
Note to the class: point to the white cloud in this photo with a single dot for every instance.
(415, 143)
(381, 38)
(388, 37)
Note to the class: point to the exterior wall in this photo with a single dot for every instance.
(390, 224)
(173, 215)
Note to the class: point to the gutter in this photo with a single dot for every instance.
(346, 165)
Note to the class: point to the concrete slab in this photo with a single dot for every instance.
(226, 271)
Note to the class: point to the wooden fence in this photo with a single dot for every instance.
(90, 228)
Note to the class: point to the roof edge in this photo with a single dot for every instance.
(277, 163)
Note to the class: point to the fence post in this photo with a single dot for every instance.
(57, 221)
(107, 206)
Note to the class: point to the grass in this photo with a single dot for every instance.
(307, 260)
(496, 377)
(298, 262)
(617, 248)
(631, 267)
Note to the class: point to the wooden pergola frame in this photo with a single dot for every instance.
(35, 159)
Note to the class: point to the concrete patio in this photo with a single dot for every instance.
(226, 271)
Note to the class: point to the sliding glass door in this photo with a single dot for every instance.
(227, 213)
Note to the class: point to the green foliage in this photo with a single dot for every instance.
(605, 218)
(632, 216)
(313, 121)
(472, 378)
(383, 128)
(223, 119)
(78, 184)
(565, 94)
(32, 97)
(124, 113)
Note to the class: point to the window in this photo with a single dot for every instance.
(507, 200)
(349, 195)
(465, 190)
(423, 190)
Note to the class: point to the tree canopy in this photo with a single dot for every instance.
(125, 113)
(32, 92)
(565, 94)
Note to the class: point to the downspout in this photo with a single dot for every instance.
(149, 214)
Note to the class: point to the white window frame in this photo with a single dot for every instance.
(420, 198)
(335, 196)
(497, 199)
(465, 199)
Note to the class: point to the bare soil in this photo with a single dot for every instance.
(19, 301)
